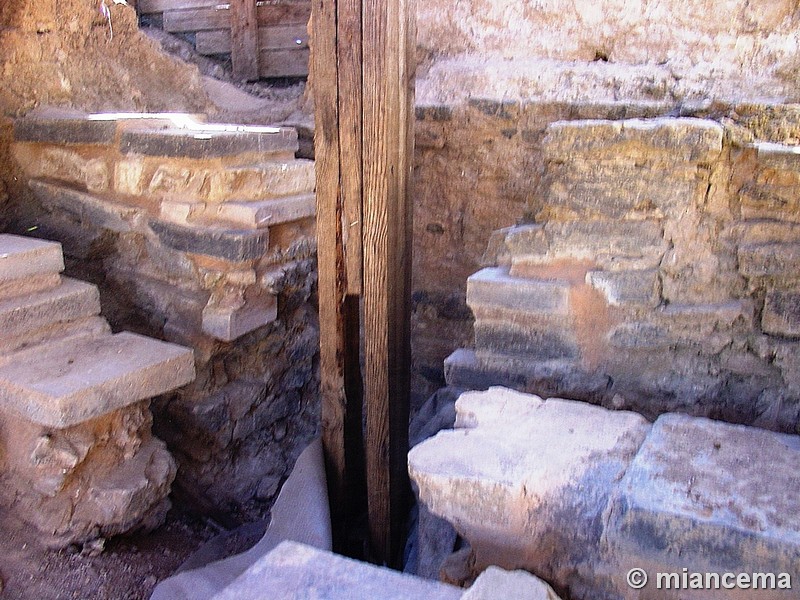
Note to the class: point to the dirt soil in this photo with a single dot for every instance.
(126, 568)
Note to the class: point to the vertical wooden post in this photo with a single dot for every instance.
(362, 73)
(244, 39)
(388, 74)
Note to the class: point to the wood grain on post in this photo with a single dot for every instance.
(244, 39)
(388, 99)
(330, 253)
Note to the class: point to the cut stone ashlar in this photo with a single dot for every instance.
(66, 383)
(22, 257)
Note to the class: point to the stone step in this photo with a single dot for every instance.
(209, 141)
(494, 287)
(251, 215)
(86, 208)
(610, 245)
(62, 128)
(87, 327)
(235, 245)
(70, 301)
(175, 181)
(295, 570)
(24, 258)
(66, 383)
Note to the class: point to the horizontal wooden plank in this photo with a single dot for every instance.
(219, 16)
(181, 21)
(280, 37)
(283, 63)
(155, 6)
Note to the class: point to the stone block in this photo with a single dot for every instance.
(618, 189)
(766, 260)
(293, 570)
(229, 323)
(24, 257)
(781, 314)
(63, 163)
(88, 327)
(778, 156)
(70, 382)
(611, 245)
(248, 215)
(132, 496)
(494, 287)
(230, 244)
(64, 130)
(711, 496)
(627, 288)
(70, 301)
(209, 142)
(29, 285)
(533, 341)
(684, 139)
(496, 583)
(269, 179)
(87, 209)
(527, 481)
(257, 214)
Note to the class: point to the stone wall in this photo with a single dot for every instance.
(659, 273)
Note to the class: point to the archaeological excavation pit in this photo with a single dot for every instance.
(314, 298)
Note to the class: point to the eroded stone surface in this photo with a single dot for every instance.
(710, 495)
(295, 570)
(526, 480)
(67, 383)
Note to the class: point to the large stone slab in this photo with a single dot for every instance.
(711, 496)
(86, 208)
(295, 571)
(66, 383)
(70, 301)
(209, 141)
(494, 287)
(675, 139)
(64, 130)
(230, 244)
(22, 257)
(782, 313)
(526, 481)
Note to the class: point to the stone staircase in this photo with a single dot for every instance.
(211, 191)
(201, 234)
(77, 455)
(660, 275)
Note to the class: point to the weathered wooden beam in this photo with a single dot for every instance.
(275, 37)
(334, 348)
(388, 72)
(244, 39)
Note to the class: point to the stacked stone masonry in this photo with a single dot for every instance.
(77, 457)
(203, 235)
(580, 495)
(659, 273)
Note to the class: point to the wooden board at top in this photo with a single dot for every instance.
(155, 6)
(283, 63)
(219, 16)
(279, 37)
